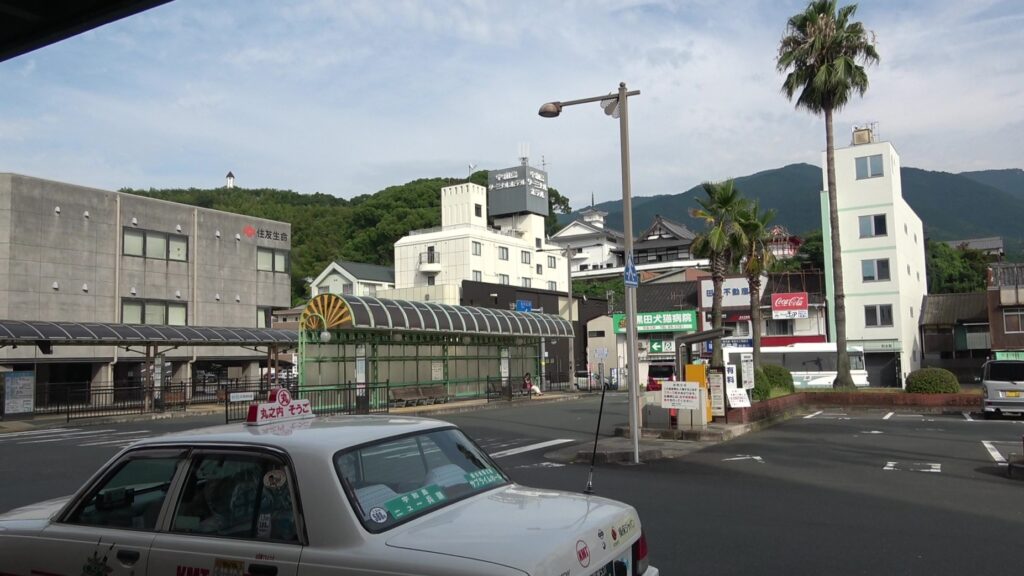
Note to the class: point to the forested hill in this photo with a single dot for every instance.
(326, 228)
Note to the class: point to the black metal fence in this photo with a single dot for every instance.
(124, 400)
(371, 398)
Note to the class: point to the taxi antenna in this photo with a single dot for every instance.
(597, 432)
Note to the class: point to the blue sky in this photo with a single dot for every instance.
(347, 98)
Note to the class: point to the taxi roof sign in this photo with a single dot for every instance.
(280, 407)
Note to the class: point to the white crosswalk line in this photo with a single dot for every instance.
(994, 453)
(809, 416)
(67, 436)
(37, 433)
(529, 448)
(107, 438)
(887, 416)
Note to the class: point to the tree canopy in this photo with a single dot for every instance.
(955, 270)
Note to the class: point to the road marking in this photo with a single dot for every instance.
(542, 465)
(37, 433)
(68, 436)
(117, 440)
(887, 416)
(530, 448)
(745, 457)
(872, 432)
(913, 467)
(967, 416)
(994, 453)
(809, 416)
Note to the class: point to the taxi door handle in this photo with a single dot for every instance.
(128, 557)
(262, 570)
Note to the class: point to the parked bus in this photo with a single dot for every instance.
(812, 365)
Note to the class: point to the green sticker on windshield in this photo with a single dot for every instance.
(484, 477)
(412, 502)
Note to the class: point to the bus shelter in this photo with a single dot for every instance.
(346, 339)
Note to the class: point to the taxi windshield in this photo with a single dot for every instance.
(397, 479)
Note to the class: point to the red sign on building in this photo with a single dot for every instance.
(789, 305)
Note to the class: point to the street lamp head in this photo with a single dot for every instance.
(551, 110)
(325, 336)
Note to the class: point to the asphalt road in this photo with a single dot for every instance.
(859, 493)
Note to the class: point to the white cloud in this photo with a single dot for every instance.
(350, 97)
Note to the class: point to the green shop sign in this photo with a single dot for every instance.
(669, 321)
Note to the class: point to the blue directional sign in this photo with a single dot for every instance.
(629, 275)
(524, 306)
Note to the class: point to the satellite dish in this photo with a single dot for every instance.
(611, 105)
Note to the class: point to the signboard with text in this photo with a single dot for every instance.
(680, 395)
(735, 293)
(789, 305)
(662, 346)
(668, 321)
(280, 407)
(19, 392)
(716, 382)
(747, 370)
(738, 398)
(517, 189)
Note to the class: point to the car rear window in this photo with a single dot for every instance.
(1005, 371)
(660, 371)
(397, 479)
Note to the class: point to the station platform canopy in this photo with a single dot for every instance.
(35, 332)
(347, 312)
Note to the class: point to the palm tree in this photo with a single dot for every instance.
(757, 259)
(720, 244)
(822, 53)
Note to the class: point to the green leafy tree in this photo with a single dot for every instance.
(757, 259)
(557, 204)
(955, 270)
(600, 288)
(720, 243)
(823, 55)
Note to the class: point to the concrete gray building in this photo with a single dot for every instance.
(78, 254)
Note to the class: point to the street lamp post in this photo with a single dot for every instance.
(617, 104)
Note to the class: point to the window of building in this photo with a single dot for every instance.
(878, 315)
(371, 289)
(527, 282)
(779, 328)
(478, 276)
(263, 319)
(271, 260)
(552, 285)
(540, 269)
(869, 166)
(536, 243)
(524, 257)
(478, 210)
(1013, 320)
(502, 253)
(552, 262)
(430, 280)
(157, 245)
(502, 278)
(875, 270)
(595, 333)
(323, 289)
(478, 248)
(873, 225)
(158, 312)
(346, 287)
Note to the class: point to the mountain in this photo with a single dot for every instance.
(952, 206)
(1010, 180)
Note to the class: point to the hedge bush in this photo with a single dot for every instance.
(762, 385)
(778, 377)
(932, 381)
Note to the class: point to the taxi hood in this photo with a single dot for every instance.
(533, 530)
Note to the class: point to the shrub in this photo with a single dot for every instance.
(932, 381)
(762, 386)
(778, 378)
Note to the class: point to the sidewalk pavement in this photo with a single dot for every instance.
(653, 444)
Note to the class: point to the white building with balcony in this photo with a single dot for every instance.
(882, 242)
(431, 264)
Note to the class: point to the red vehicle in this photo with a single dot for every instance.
(658, 372)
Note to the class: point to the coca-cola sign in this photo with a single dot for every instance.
(789, 305)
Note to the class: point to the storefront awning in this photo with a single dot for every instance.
(36, 332)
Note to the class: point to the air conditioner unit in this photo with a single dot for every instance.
(862, 136)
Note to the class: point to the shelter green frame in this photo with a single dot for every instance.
(338, 333)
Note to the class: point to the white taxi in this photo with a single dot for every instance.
(353, 495)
